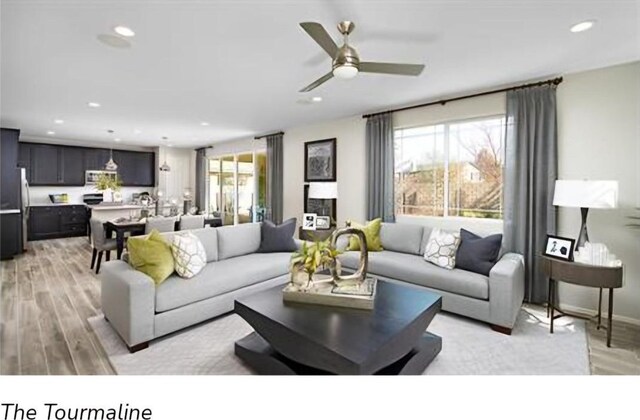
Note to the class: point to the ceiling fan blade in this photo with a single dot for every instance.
(392, 68)
(320, 35)
(317, 82)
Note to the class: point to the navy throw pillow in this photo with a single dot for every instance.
(278, 238)
(478, 254)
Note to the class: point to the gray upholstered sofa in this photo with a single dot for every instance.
(495, 299)
(140, 312)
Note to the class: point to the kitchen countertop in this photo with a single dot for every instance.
(102, 207)
(54, 204)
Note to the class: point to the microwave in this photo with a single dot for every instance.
(91, 177)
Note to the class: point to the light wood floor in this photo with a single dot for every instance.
(48, 293)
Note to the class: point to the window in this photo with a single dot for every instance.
(237, 187)
(452, 169)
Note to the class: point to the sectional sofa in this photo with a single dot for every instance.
(495, 299)
(140, 311)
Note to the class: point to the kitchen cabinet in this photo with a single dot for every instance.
(72, 167)
(95, 159)
(135, 168)
(56, 165)
(9, 173)
(11, 238)
(57, 221)
(45, 164)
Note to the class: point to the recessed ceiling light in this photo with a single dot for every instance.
(124, 31)
(204, 124)
(116, 140)
(169, 145)
(58, 121)
(137, 131)
(51, 133)
(93, 105)
(316, 99)
(583, 26)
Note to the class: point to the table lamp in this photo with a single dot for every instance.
(323, 191)
(585, 195)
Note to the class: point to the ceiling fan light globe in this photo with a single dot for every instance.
(345, 72)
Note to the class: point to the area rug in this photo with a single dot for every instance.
(468, 348)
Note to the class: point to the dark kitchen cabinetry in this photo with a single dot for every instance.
(72, 167)
(45, 165)
(9, 173)
(66, 165)
(48, 222)
(95, 159)
(135, 168)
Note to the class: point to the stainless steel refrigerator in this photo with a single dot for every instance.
(14, 218)
(24, 198)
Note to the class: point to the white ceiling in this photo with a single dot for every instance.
(239, 64)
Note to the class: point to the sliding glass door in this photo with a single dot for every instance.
(237, 187)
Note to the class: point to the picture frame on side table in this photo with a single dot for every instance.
(559, 247)
(309, 221)
(323, 222)
(320, 160)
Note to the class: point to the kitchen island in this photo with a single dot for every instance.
(107, 212)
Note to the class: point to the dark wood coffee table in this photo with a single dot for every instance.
(302, 339)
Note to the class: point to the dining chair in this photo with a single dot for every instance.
(100, 243)
(191, 222)
(161, 224)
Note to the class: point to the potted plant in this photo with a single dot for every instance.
(108, 184)
(311, 257)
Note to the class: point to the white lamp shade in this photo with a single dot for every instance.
(323, 190)
(586, 194)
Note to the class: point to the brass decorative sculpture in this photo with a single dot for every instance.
(359, 276)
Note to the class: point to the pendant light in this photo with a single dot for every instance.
(165, 167)
(111, 165)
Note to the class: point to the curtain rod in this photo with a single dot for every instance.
(555, 82)
(267, 135)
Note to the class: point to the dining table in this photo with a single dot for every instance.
(125, 228)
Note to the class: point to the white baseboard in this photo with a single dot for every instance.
(592, 312)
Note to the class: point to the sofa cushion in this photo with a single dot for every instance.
(234, 241)
(426, 234)
(221, 277)
(442, 248)
(189, 255)
(209, 239)
(476, 253)
(414, 269)
(151, 254)
(401, 237)
(371, 233)
(278, 238)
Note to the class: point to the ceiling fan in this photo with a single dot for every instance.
(346, 62)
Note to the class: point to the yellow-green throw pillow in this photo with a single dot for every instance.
(152, 256)
(371, 234)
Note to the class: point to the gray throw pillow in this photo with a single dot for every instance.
(278, 238)
(478, 254)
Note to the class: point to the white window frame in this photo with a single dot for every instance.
(446, 124)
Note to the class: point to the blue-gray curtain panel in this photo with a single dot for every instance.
(531, 168)
(380, 164)
(275, 188)
(201, 179)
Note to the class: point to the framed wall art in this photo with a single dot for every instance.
(320, 160)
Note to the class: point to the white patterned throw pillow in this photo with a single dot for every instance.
(188, 254)
(442, 247)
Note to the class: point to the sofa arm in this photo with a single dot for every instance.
(506, 290)
(128, 301)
